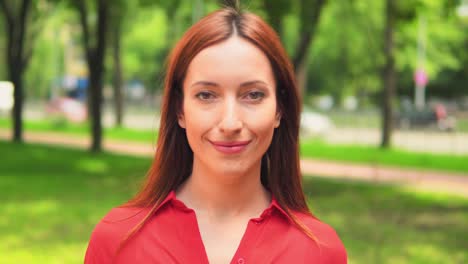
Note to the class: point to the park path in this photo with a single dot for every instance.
(434, 181)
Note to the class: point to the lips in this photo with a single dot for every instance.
(230, 147)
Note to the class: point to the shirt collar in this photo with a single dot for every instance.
(274, 206)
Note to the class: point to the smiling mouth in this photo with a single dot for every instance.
(231, 147)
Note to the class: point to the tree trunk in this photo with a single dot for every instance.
(389, 76)
(16, 57)
(301, 77)
(95, 101)
(117, 78)
(15, 73)
(95, 59)
(275, 16)
(16, 78)
(309, 23)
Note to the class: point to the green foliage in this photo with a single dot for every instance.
(47, 64)
(143, 45)
(443, 37)
(345, 56)
(3, 68)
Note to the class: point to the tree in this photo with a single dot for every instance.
(276, 11)
(117, 17)
(151, 33)
(389, 75)
(309, 17)
(17, 55)
(309, 12)
(95, 46)
(346, 56)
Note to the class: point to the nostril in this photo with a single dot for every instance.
(231, 125)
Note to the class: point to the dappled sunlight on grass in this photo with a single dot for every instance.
(69, 253)
(52, 197)
(379, 223)
(428, 253)
(92, 165)
(32, 208)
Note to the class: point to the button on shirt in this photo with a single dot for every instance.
(172, 236)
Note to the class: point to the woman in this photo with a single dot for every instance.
(225, 184)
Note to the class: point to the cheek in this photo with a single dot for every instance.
(263, 129)
(197, 120)
(262, 121)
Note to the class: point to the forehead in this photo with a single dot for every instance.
(230, 62)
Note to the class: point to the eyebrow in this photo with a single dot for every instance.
(248, 83)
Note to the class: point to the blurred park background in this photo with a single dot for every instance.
(384, 132)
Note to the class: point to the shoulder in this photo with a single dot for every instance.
(333, 250)
(118, 222)
(110, 231)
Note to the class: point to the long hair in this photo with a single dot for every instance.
(172, 164)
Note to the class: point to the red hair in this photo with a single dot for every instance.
(172, 164)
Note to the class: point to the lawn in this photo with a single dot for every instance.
(83, 130)
(309, 148)
(51, 204)
(388, 157)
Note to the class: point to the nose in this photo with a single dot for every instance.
(230, 122)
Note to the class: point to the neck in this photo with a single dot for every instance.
(222, 195)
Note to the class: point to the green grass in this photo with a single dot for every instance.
(387, 157)
(386, 224)
(60, 126)
(309, 148)
(462, 125)
(52, 197)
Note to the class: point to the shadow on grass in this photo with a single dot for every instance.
(52, 197)
(386, 224)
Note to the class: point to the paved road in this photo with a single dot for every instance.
(425, 180)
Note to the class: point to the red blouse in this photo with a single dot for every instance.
(172, 236)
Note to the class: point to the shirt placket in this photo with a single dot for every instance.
(251, 236)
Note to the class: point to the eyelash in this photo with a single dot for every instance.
(258, 96)
(200, 94)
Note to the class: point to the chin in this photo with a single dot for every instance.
(233, 168)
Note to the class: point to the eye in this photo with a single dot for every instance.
(204, 96)
(255, 95)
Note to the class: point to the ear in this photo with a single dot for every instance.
(181, 120)
(277, 119)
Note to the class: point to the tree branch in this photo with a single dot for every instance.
(26, 57)
(8, 12)
(309, 23)
(103, 11)
(80, 4)
(25, 7)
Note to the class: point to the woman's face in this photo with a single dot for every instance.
(229, 107)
